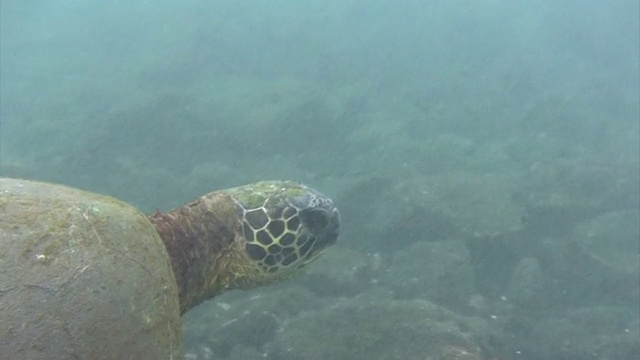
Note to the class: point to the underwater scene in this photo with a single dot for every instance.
(484, 157)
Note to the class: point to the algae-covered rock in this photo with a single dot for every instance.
(439, 271)
(342, 273)
(243, 320)
(558, 196)
(364, 329)
(612, 239)
(526, 288)
(599, 332)
(597, 263)
(429, 208)
(475, 203)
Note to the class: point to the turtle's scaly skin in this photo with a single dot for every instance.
(85, 276)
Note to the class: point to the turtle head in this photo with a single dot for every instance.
(245, 236)
(285, 226)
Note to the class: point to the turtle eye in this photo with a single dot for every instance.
(315, 220)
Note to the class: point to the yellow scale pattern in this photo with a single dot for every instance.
(274, 236)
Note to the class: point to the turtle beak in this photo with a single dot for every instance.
(330, 234)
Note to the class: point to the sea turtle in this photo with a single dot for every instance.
(86, 276)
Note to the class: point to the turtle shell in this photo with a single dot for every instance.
(82, 276)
